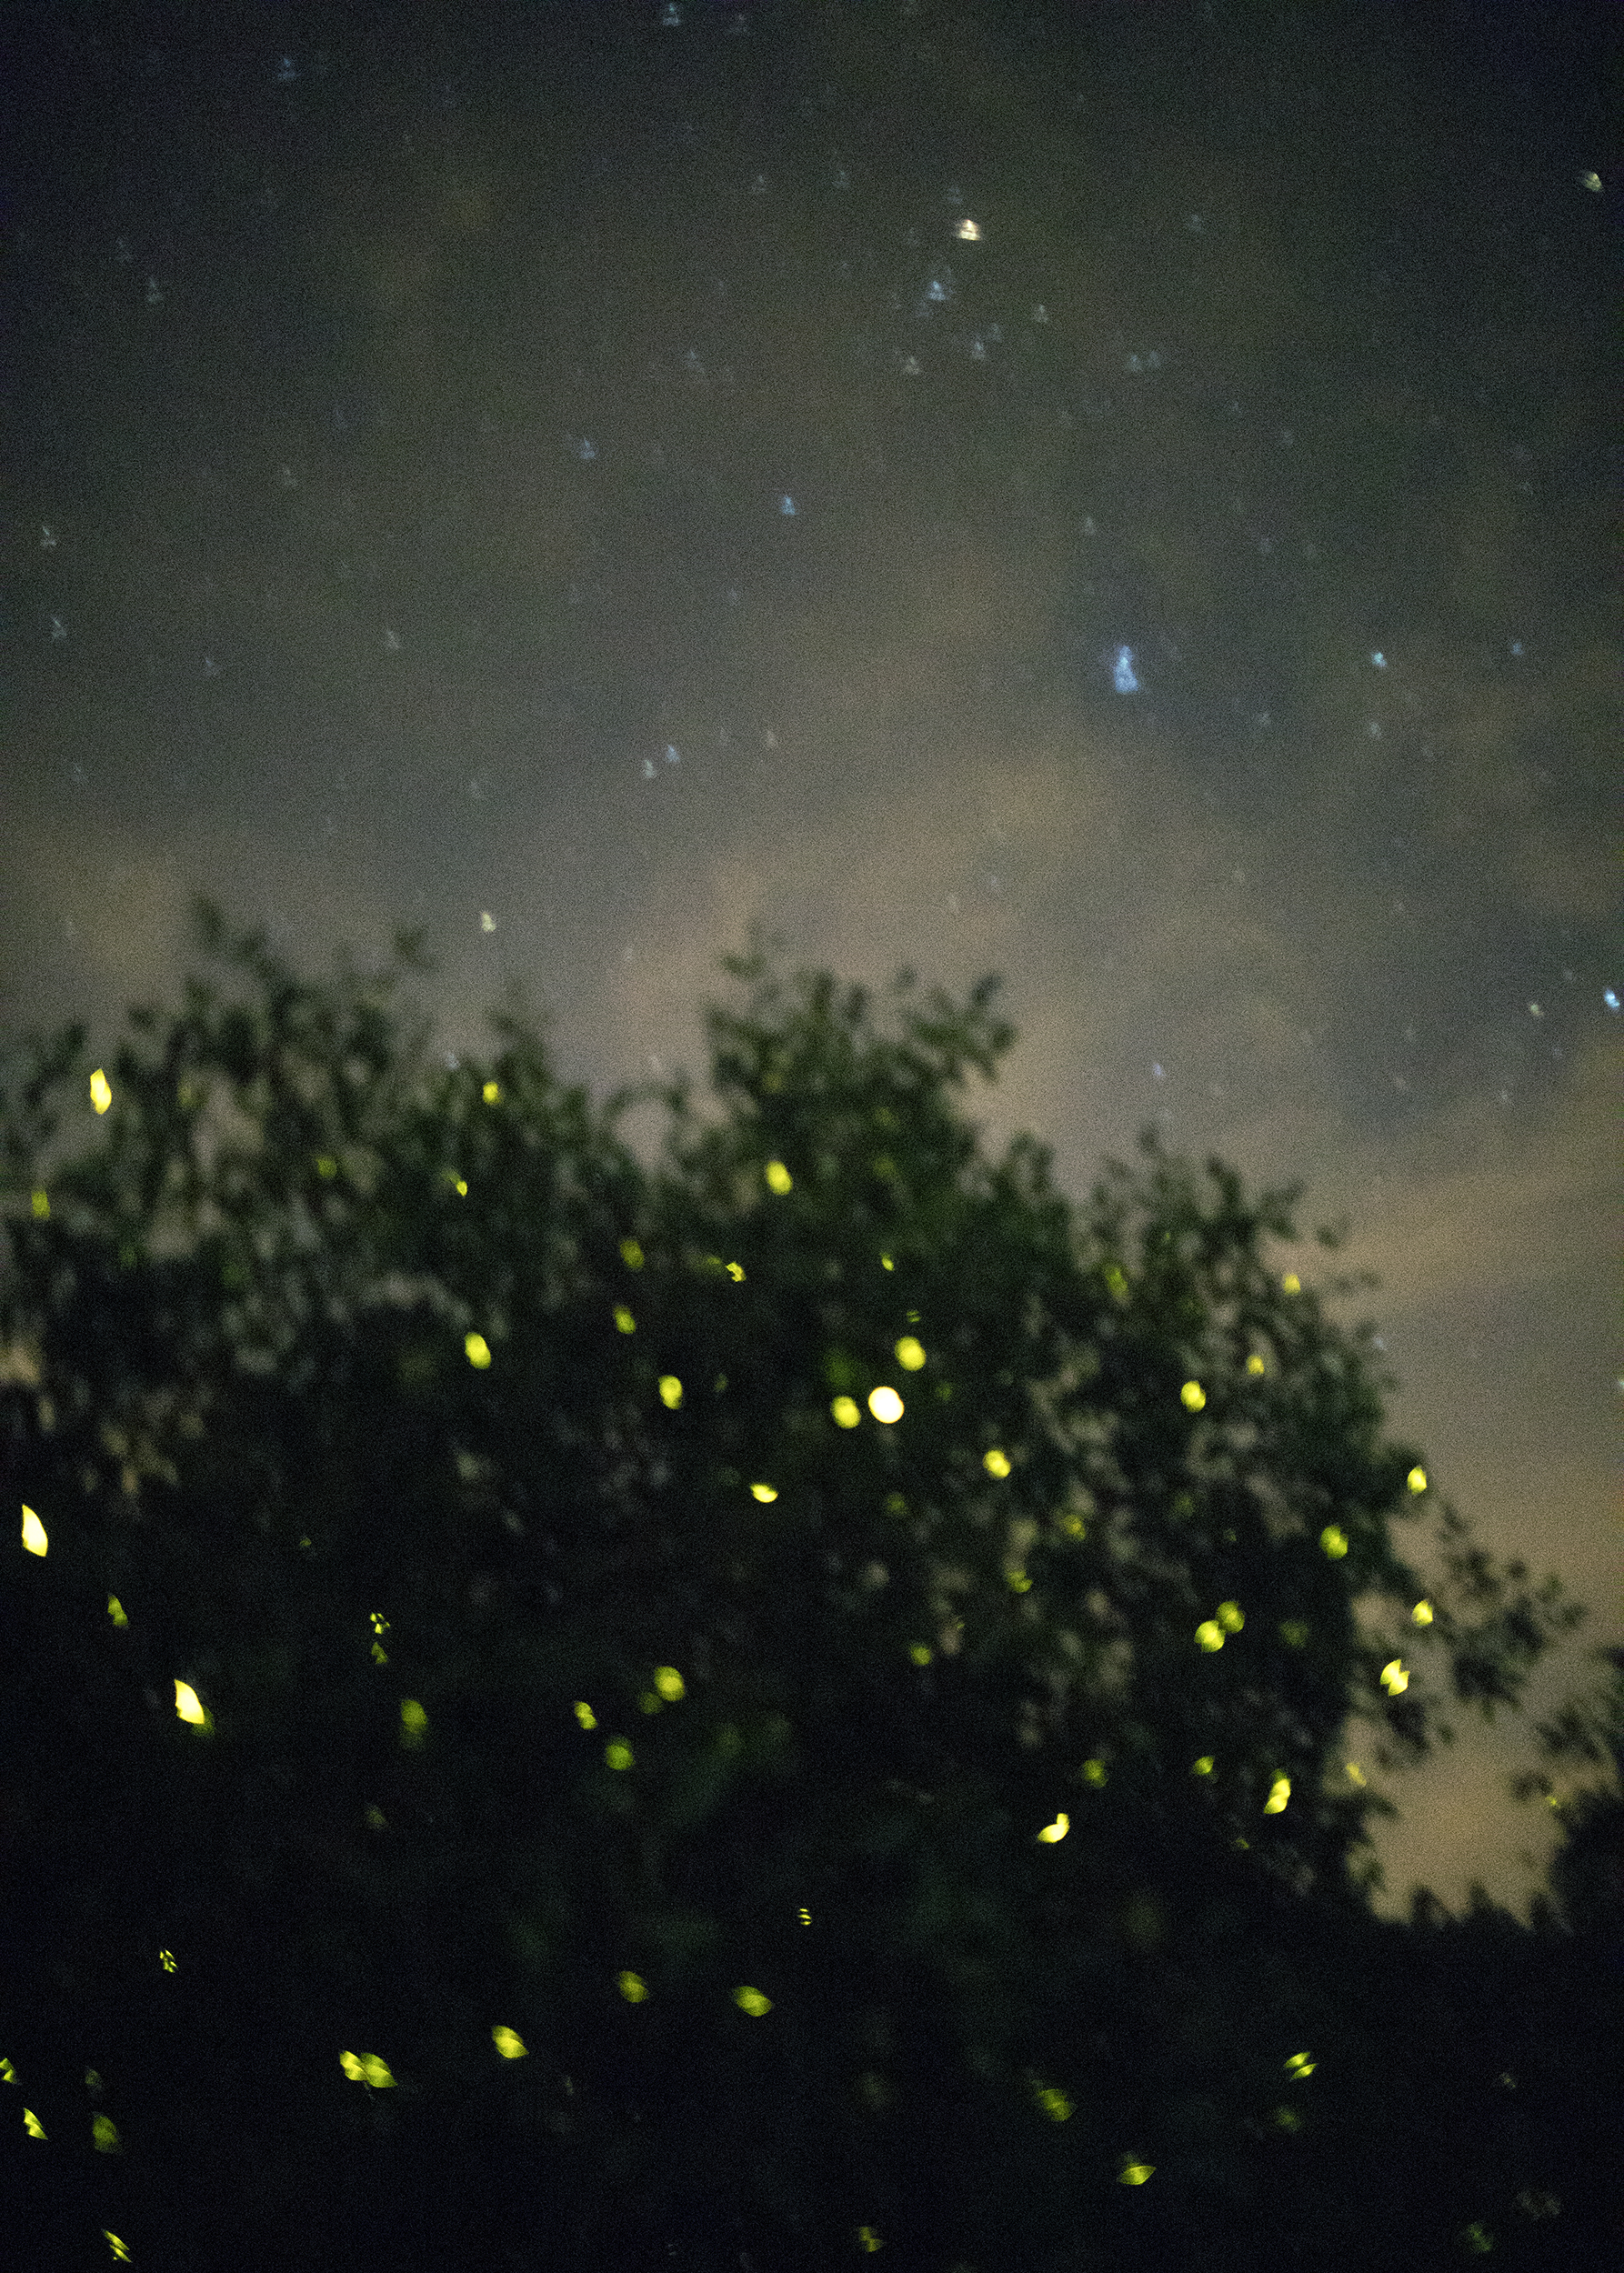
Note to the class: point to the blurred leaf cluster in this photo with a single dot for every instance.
(796, 1702)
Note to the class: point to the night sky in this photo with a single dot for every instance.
(1123, 496)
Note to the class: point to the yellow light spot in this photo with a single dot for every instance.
(380, 1656)
(778, 1179)
(104, 2131)
(1294, 1633)
(868, 2239)
(1115, 1280)
(492, 1093)
(8, 2073)
(166, 1959)
(910, 1352)
(921, 1653)
(1279, 1792)
(751, 2001)
(631, 1988)
(1210, 1634)
(41, 1203)
(1416, 1480)
(584, 1713)
(1356, 1773)
(1094, 1772)
(1300, 2064)
(670, 1391)
(32, 2124)
(479, 1350)
(414, 1721)
(885, 1405)
(1334, 1541)
(366, 2067)
(887, 1264)
(1053, 1833)
(1422, 1614)
(380, 1624)
(1394, 1679)
(765, 1493)
(34, 1533)
(1192, 1396)
(624, 1319)
(735, 1271)
(375, 1818)
(462, 1187)
(509, 2043)
(1203, 1767)
(804, 1916)
(631, 1255)
(1134, 2174)
(846, 1411)
(1592, 182)
(1230, 1617)
(187, 1706)
(995, 1462)
(617, 1753)
(1254, 1364)
(101, 1090)
(1074, 1525)
(1292, 1284)
(120, 2254)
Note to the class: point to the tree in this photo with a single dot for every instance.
(1586, 1872)
(793, 1703)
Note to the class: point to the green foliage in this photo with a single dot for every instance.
(1588, 1871)
(566, 1664)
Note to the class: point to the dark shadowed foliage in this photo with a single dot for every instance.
(793, 1705)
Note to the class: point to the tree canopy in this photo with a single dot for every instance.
(792, 1702)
